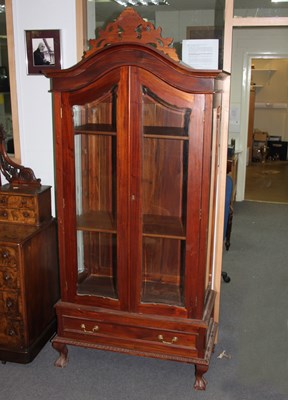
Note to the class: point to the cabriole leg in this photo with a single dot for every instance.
(200, 381)
(62, 361)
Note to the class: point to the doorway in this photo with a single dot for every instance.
(267, 139)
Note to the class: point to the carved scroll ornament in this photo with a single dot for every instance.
(14, 173)
(130, 27)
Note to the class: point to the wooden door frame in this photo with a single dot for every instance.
(231, 22)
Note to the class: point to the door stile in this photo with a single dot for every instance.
(192, 301)
(123, 185)
(66, 212)
(135, 194)
(205, 197)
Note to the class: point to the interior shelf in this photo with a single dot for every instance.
(96, 129)
(165, 132)
(96, 221)
(162, 132)
(160, 292)
(153, 225)
(102, 286)
(163, 226)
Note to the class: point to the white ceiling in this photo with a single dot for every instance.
(109, 9)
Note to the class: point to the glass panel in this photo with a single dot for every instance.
(5, 99)
(95, 175)
(164, 183)
(260, 8)
(181, 20)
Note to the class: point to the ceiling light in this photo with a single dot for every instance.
(279, 1)
(126, 3)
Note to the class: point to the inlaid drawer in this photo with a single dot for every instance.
(24, 216)
(10, 201)
(8, 278)
(110, 330)
(11, 332)
(27, 205)
(9, 303)
(8, 256)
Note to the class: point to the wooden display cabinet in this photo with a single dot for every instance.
(133, 134)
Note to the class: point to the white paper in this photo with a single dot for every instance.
(201, 53)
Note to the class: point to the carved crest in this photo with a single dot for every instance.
(130, 27)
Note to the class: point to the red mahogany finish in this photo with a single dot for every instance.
(133, 135)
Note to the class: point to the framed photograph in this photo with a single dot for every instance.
(43, 50)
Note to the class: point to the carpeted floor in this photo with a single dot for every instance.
(253, 332)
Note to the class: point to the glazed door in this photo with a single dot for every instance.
(170, 168)
(93, 227)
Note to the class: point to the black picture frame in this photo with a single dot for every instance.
(43, 50)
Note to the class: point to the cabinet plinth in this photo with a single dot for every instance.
(134, 134)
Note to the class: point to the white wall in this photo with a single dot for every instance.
(34, 99)
(249, 43)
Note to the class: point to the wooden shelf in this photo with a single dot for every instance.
(161, 292)
(165, 132)
(96, 221)
(102, 286)
(96, 129)
(153, 225)
(161, 132)
(163, 226)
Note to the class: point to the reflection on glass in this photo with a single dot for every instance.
(164, 180)
(256, 8)
(176, 18)
(95, 176)
(5, 101)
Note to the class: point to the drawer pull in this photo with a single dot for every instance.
(5, 254)
(9, 304)
(7, 277)
(11, 332)
(161, 338)
(94, 329)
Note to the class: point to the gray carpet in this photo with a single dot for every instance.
(253, 332)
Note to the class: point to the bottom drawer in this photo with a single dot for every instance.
(11, 333)
(142, 338)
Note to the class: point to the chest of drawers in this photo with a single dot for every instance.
(28, 272)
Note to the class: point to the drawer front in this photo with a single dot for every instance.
(97, 329)
(24, 216)
(8, 278)
(9, 304)
(10, 201)
(8, 256)
(11, 333)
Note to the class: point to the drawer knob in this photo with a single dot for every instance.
(5, 254)
(4, 214)
(9, 303)
(7, 277)
(161, 338)
(94, 329)
(11, 332)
